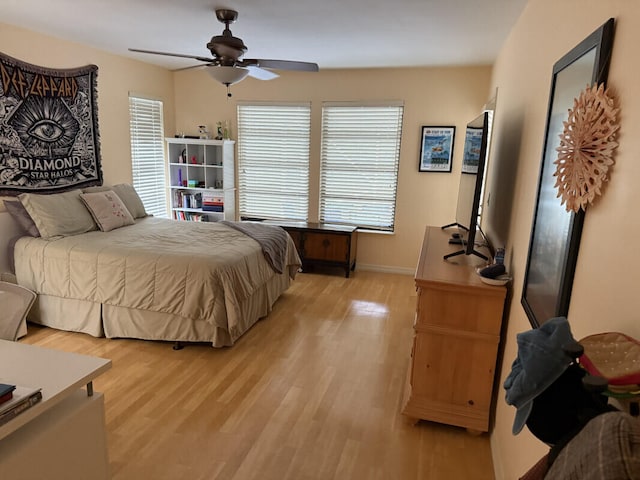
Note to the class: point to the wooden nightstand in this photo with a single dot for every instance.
(324, 244)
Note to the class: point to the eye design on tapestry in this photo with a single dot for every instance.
(46, 126)
(46, 130)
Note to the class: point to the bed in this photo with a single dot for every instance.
(155, 279)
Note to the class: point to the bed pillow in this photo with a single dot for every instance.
(127, 194)
(130, 198)
(58, 214)
(107, 209)
(20, 215)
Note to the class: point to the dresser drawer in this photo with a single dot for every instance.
(452, 369)
(461, 310)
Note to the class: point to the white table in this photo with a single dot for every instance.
(64, 435)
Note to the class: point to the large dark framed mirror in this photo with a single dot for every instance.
(555, 233)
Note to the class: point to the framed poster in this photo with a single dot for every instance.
(436, 149)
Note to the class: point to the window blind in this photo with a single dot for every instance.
(147, 153)
(359, 164)
(273, 161)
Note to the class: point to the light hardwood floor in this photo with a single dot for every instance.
(313, 391)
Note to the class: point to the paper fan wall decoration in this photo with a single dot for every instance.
(586, 148)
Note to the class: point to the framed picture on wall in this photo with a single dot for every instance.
(436, 149)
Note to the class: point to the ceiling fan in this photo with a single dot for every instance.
(227, 65)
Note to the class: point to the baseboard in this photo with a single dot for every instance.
(496, 457)
(385, 269)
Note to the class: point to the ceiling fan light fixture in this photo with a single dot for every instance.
(227, 75)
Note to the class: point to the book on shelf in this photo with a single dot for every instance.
(212, 202)
(189, 216)
(185, 199)
(6, 392)
(22, 399)
(212, 208)
(212, 197)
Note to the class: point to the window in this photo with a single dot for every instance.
(359, 164)
(147, 153)
(273, 161)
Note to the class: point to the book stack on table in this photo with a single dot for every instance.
(15, 399)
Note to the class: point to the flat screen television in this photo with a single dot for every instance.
(474, 158)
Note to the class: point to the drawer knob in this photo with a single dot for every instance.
(326, 242)
(471, 402)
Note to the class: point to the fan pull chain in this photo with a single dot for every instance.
(228, 92)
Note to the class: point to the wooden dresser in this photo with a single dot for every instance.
(456, 337)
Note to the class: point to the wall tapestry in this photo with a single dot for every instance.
(49, 137)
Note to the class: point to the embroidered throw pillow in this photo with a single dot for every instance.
(107, 209)
(127, 194)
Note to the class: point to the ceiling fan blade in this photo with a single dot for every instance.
(280, 64)
(196, 57)
(261, 73)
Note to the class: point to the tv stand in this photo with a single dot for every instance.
(455, 224)
(463, 252)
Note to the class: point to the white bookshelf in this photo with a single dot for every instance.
(198, 169)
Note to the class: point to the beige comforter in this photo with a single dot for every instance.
(189, 269)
